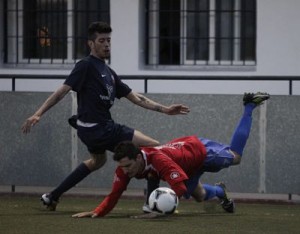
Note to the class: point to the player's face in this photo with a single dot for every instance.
(131, 167)
(100, 47)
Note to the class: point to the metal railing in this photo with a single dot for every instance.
(290, 79)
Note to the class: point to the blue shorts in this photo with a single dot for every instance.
(218, 157)
(104, 136)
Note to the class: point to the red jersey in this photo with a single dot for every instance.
(173, 162)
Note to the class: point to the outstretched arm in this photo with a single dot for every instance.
(103, 208)
(51, 101)
(120, 183)
(147, 103)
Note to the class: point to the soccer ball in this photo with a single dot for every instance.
(163, 200)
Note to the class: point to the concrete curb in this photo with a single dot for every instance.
(139, 194)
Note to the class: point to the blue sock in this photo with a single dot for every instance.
(213, 191)
(74, 178)
(241, 134)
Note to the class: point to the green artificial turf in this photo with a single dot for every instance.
(25, 214)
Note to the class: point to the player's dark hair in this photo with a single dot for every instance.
(126, 149)
(98, 27)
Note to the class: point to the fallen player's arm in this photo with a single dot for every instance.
(179, 188)
(103, 208)
(119, 186)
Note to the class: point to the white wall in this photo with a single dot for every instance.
(278, 54)
(278, 33)
(278, 47)
(125, 36)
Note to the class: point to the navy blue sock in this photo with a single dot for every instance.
(242, 131)
(72, 179)
(213, 191)
(152, 184)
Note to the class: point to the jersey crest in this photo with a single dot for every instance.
(174, 175)
(110, 90)
(116, 179)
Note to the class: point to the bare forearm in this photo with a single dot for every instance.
(147, 103)
(53, 100)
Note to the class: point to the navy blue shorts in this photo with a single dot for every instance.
(218, 157)
(105, 136)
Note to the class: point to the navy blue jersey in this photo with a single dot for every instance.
(97, 86)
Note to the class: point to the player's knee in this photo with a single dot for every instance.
(142, 140)
(155, 143)
(237, 159)
(199, 195)
(199, 198)
(149, 143)
(100, 163)
(96, 162)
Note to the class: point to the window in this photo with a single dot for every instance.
(50, 31)
(201, 32)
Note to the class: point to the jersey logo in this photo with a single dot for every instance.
(174, 175)
(116, 179)
(110, 90)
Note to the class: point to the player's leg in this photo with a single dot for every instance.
(218, 156)
(88, 135)
(83, 170)
(242, 131)
(141, 139)
(152, 184)
(204, 192)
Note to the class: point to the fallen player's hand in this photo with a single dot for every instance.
(85, 214)
(151, 215)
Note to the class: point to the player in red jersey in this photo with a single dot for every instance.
(181, 162)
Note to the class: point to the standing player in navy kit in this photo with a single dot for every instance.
(97, 86)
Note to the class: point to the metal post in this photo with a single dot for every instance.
(146, 85)
(13, 84)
